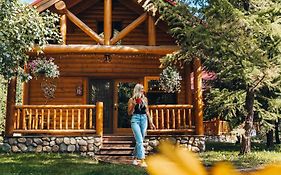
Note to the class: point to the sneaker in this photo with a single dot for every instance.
(135, 162)
(143, 164)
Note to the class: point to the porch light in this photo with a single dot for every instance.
(107, 58)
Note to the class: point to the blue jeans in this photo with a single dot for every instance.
(139, 127)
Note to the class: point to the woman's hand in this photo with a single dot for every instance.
(152, 126)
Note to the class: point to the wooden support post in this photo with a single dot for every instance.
(188, 91)
(151, 31)
(99, 118)
(107, 21)
(198, 101)
(129, 28)
(61, 7)
(10, 107)
(25, 90)
(63, 28)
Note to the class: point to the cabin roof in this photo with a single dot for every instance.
(42, 5)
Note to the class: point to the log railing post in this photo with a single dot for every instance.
(198, 101)
(10, 107)
(99, 118)
(107, 21)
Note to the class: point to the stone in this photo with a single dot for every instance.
(22, 147)
(97, 140)
(39, 149)
(15, 149)
(82, 142)
(59, 140)
(72, 141)
(53, 138)
(29, 141)
(63, 147)
(183, 141)
(22, 140)
(38, 141)
(52, 143)
(47, 149)
(6, 147)
(195, 149)
(30, 148)
(12, 141)
(91, 147)
(55, 148)
(46, 143)
(154, 143)
(98, 144)
(83, 148)
(71, 148)
(66, 140)
(91, 141)
(46, 139)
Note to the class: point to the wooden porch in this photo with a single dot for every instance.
(88, 119)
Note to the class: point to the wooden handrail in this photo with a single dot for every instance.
(172, 118)
(56, 118)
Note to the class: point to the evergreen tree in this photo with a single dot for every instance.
(239, 40)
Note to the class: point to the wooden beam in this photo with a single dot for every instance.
(61, 7)
(151, 31)
(10, 107)
(90, 49)
(107, 26)
(63, 28)
(40, 7)
(129, 28)
(198, 99)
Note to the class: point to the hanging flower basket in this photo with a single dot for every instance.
(44, 67)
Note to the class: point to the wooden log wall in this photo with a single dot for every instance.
(121, 14)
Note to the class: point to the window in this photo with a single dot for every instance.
(155, 95)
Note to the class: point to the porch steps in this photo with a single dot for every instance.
(116, 149)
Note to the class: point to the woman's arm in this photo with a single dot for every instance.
(131, 106)
(152, 126)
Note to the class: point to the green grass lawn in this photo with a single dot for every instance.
(61, 164)
(74, 164)
(259, 157)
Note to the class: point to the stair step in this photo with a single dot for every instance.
(118, 144)
(118, 138)
(115, 152)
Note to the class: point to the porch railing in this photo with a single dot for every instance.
(56, 119)
(172, 118)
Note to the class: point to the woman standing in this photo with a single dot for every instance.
(138, 108)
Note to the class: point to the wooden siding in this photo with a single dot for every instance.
(64, 94)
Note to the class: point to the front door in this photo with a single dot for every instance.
(123, 92)
(102, 90)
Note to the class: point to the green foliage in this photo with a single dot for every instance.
(239, 41)
(170, 80)
(21, 27)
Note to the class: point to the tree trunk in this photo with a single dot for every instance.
(269, 139)
(277, 131)
(246, 137)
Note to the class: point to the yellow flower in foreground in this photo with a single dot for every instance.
(173, 160)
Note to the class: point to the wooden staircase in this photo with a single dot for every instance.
(117, 149)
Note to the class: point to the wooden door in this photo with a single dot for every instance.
(123, 90)
(102, 90)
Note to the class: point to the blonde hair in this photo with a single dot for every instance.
(138, 93)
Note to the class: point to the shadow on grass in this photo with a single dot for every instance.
(61, 164)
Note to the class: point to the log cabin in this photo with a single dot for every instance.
(108, 46)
